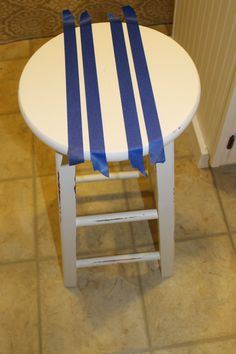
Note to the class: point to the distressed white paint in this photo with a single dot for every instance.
(113, 218)
(166, 212)
(114, 175)
(67, 210)
(124, 258)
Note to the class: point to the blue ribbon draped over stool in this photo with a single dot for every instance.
(96, 136)
(75, 140)
(96, 139)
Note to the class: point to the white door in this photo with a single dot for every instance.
(225, 152)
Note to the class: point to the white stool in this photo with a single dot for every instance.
(42, 102)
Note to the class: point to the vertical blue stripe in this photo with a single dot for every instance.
(75, 139)
(96, 138)
(127, 95)
(156, 148)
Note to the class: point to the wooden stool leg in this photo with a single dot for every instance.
(166, 212)
(67, 210)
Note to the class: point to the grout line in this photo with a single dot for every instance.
(223, 211)
(11, 113)
(19, 261)
(36, 248)
(122, 250)
(26, 177)
(13, 59)
(10, 179)
(147, 327)
(135, 351)
(139, 277)
(193, 343)
(201, 237)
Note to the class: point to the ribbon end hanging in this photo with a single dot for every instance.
(157, 152)
(99, 162)
(136, 160)
(75, 156)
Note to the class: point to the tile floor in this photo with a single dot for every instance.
(121, 309)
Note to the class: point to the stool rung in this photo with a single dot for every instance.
(114, 175)
(123, 258)
(112, 218)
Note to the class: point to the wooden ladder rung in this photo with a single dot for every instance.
(124, 258)
(112, 218)
(113, 175)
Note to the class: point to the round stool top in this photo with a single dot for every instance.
(42, 90)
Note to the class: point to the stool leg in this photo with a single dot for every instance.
(67, 210)
(165, 207)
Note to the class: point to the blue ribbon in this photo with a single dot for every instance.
(156, 147)
(75, 139)
(127, 95)
(96, 138)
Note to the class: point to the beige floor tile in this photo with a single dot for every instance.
(183, 144)
(140, 196)
(104, 240)
(87, 168)
(16, 220)
(11, 69)
(198, 212)
(99, 198)
(103, 197)
(15, 50)
(18, 309)
(16, 147)
(44, 158)
(8, 94)
(198, 302)
(48, 232)
(226, 183)
(197, 208)
(234, 239)
(224, 347)
(103, 315)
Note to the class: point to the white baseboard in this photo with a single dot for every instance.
(200, 151)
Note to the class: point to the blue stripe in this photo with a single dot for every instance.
(75, 139)
(127, 95)
(156, 148)
(96, 138)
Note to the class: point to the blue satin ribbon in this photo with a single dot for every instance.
(75, 139)
(156, 147)
(96, 138)
(135, 149)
